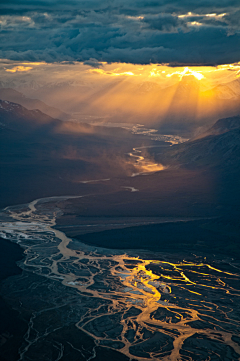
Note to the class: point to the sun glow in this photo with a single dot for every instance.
(152, 92)
(145, 94)
(187, 71)
(148, 71)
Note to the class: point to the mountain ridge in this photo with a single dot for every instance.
(15, 96)
(218, 147)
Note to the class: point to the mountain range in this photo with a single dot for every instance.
(182, 107)
(15, 96)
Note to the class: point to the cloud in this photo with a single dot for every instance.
(137, 31)
(165, 23)
(111, 73)
(93, 62)
(18, 68)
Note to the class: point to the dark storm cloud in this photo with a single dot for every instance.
(93, 62)
(166, 23)
(140, 31)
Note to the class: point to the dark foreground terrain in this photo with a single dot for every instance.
(12, 327)
(210, 237)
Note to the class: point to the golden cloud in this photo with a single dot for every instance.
(19, 68)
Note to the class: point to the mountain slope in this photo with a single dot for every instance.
(217, 147)
(17, 97)
(42, 156)
(222, 126)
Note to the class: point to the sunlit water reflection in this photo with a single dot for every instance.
(150, 309)
(144, 166)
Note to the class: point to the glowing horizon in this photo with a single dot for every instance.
(145, 94)
(158, 71)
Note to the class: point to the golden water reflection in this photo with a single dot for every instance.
(166, 301)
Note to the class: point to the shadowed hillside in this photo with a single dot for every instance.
(42, 156)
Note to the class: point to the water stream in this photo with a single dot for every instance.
(147, 309)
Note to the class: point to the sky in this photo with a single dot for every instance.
(87, 73)
(115, 58)
(178, 33)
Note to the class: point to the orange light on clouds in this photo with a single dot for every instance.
(19, 68)
(149, 71)
(111, 73)
(194, 23)
(187, 71)
(163, 73)
(213, 15)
